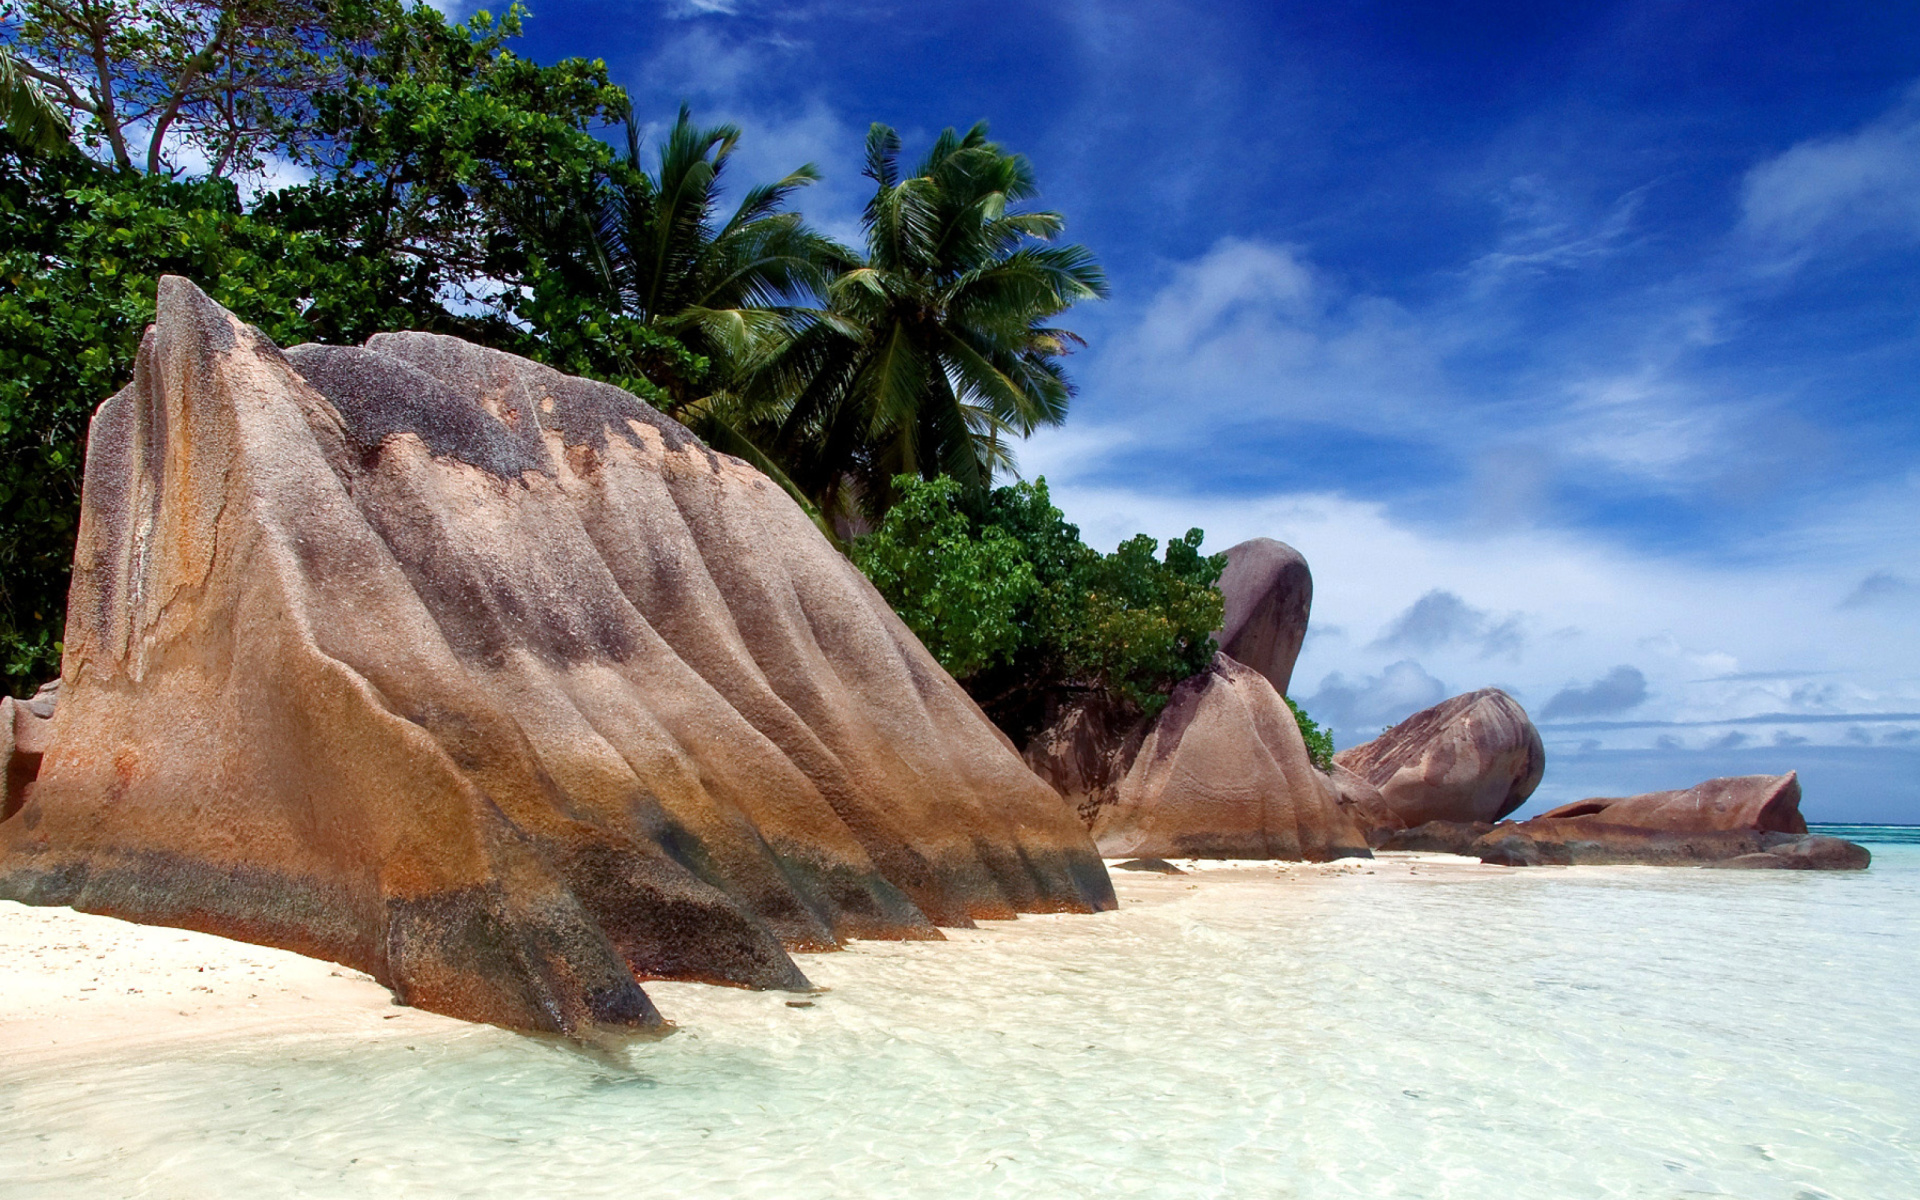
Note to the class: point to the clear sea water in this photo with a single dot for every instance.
(1602, 1032)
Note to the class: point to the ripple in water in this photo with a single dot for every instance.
(1603, 1032)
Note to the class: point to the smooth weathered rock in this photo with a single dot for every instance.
(1153, 866)
(1475, 757)
(1769, 803)
(26, 726)
(1737, 821)
(1439, 837)
(1085, 750)
(497, 685)
(1814, 852)
(1269, 595)
(1584, 841)
(1223, 773)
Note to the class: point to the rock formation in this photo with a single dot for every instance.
(1472, 758)
(1223, 773)
(1269, 594)
(25, 726)
(498, 685)
(1743, 821)
(1761, 803)
(1084, 751)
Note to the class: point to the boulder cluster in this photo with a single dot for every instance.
(503, 687)
(1223, 773)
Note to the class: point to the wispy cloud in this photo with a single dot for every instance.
(1358, 707)
(1828, 192)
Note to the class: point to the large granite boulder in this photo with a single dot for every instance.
(1472, 758)
(1749, 821)
(1738, 821)
(1582, 841)
(1224, 773)
(1269, 594)
(497, 685)
(1762, 803)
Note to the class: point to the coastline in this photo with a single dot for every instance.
(1415, 1025)
(75, 985)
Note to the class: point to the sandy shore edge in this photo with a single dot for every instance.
(75, 984)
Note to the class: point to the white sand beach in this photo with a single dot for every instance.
(1412, 1026)
(73, 984)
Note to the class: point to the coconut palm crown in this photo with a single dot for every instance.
(730, 289)
(935, 353)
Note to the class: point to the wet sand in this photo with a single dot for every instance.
(75, 984)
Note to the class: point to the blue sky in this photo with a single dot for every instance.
(1576, 345)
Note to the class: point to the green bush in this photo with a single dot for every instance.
(1023, 613)
(1318, 737)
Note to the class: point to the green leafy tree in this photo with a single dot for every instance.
(81, 251)
(206, 87)
(964, 590)
(939, 350)
(1021, 611)
(456, 164)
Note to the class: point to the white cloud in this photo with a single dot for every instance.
(1249, 330)
(1829, 191)
(1712, 641)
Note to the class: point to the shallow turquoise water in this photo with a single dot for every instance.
(1630, 1032)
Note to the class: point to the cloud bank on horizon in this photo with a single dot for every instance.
(1577, 347)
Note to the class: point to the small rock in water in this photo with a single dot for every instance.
(1158, 866)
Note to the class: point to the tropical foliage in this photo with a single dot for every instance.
(938, 351)
(1318, 737)
(1021, 611)
(425, 176)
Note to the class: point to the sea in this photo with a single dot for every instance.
(1263, 1032)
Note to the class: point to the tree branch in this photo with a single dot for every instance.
(196, 66)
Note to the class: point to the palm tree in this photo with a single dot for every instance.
(27, 113)
(729, 290)
(937, 351)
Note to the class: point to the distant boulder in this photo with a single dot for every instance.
(1762, 803)
(1475, 757)
(1269, 595)
(498, 685)
(1223, 773)
(1743, 821)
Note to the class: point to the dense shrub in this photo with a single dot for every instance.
(1021, 611)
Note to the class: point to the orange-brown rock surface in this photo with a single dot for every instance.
(1268, 592)
(498, 685)
(1747, 821)
(25, 728)
(1224, 773)
(1762, 803)
(1475, 757)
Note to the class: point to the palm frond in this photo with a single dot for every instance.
(30, 115)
